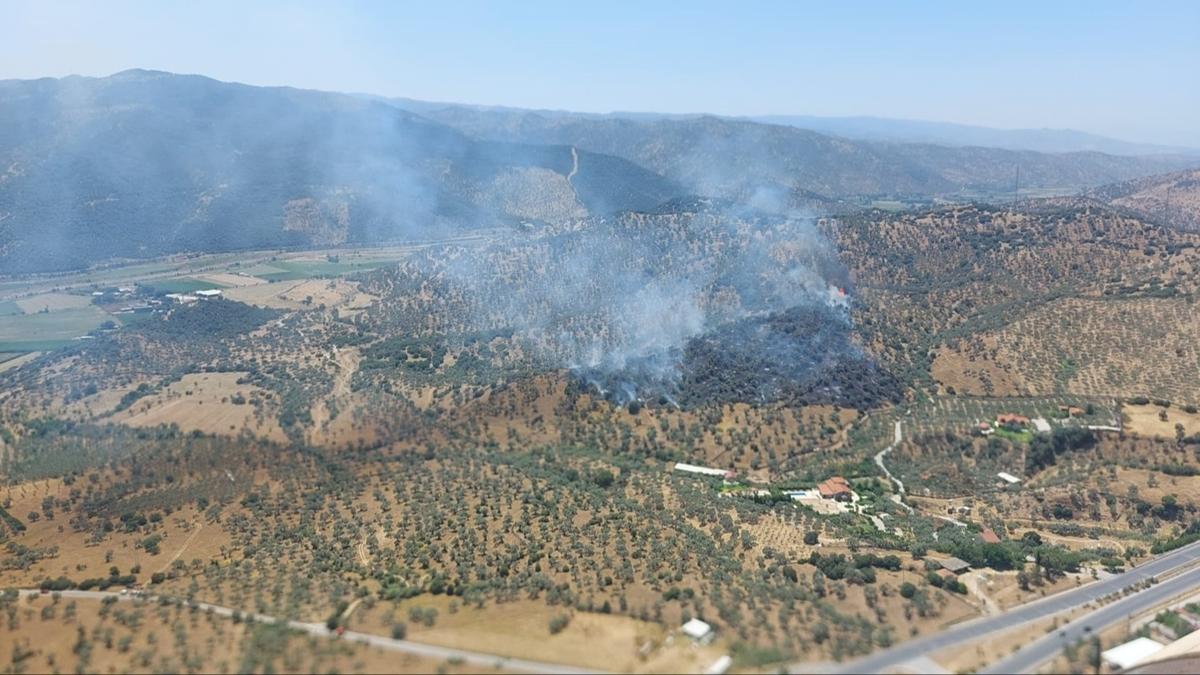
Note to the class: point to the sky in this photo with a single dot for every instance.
(1125, 69)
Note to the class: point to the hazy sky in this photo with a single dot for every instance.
(1130, 70)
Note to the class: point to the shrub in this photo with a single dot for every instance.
(558, 623)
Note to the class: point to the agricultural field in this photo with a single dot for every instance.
(291, 270)
(1160, 421)
(123, 636)
(350, 438)
(1087, 347)
(211, 403)
(303, 294)
(48, 330)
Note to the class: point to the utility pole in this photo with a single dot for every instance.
(1016, 188)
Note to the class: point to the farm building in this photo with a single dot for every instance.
(699, 631)
(985, 429)
(1008, 478)
(955, 565)
(181, 298)
(836, 488)
(989, 536)
(1012, 419)
(1071, 410)
(703, 470)
(209, 293)
(1131, 653)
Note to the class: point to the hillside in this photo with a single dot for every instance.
(143, 163)
(1062, 296)
(1172, 199)
(747, 160)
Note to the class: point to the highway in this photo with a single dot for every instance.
(1036, 653)
(478, 659)
(968, 633)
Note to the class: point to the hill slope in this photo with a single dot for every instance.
(1172, 199)
(145, 163)
(746, 160)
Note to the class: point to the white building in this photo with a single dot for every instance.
(702, 470)
(209, 293)
(699, 631)
(1008, 478)
(1131, 653)
(181, 298)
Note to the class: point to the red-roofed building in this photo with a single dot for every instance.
(836, 488)
(1009, 419)
(989, 536)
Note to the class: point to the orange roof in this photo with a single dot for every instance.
(834, 486)
(1005, 418)
(989, 536)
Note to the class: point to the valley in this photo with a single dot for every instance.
(297, 381)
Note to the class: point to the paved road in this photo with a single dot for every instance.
(1036, 653)
(479, 659)
(969, 632)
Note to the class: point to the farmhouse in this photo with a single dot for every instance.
(989, 536)
(836, 488)
(1012, 419)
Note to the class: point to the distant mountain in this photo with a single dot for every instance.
(1172, 199)
(747, 160)
(864, 128)
(147, 163)
(948, 133)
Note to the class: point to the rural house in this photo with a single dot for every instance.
(836, 488)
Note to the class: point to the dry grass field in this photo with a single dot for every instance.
(52, 302)
(207, 402)
(521, 629)
(1153, 420)
(48, 634)
(303, 294)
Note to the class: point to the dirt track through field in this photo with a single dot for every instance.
(187, 542)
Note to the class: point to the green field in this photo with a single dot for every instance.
(1022, 436)
(294, 270)
(181, 285)
(40, 332)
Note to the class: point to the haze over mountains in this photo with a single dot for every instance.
(870, 128)
(146, 163)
